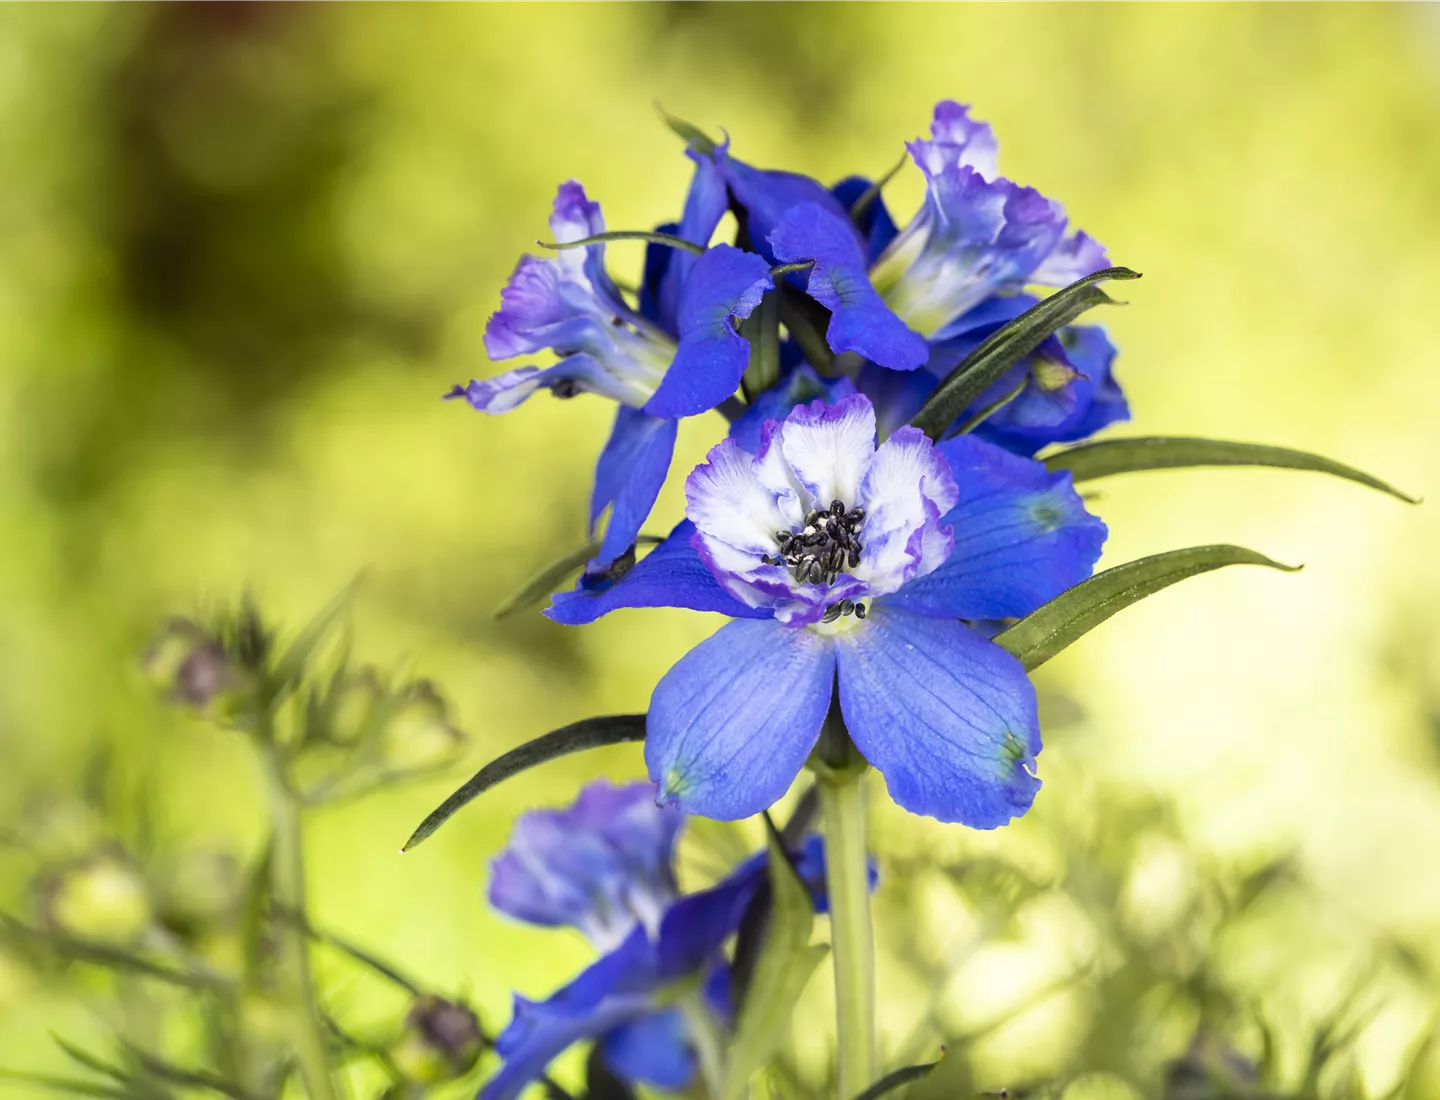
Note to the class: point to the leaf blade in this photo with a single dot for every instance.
(897, 1079)
(1107, 457)
(589, 733)
(785, 963)
(1004, 348)
(1076, 611)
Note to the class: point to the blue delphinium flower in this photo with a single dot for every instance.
(605, 866)
(843, 562)
(658, 365)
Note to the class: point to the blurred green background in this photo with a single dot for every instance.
(245, 248)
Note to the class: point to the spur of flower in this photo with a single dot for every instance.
(677, 354)
(606, 867)
(855, 569)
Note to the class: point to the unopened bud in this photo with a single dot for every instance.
(101, 898)
(192, 666)
(1210, 1062)
(354, 707)
(1052, 374)
(441, 1041)
(420, 736)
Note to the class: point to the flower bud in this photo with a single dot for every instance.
(101, 898)
(352, 707)
(1210, 1062)
(420, 736)
(192, 667)
(441, 1041)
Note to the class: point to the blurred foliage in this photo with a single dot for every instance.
(243, 250)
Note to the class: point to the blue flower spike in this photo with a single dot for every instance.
(605, 866)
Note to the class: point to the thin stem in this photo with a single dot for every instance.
(705, 1035)
(288, 896)
(847, 875)
(668, 239)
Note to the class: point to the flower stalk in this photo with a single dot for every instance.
(288, 897)
(840, 774)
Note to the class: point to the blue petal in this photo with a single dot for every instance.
(725, 283)
(1022, 536)
(671, 575)
(705, 205)
(603, 865)
(897, 395)
(799, 386)
(653, 1049)
(874, 222)
(615, 989)
(697, 925)
(1096, 399)
(732, 722)
(629, 475)
(765, 197)
(860, 321)
(947, 717)
(578, 373)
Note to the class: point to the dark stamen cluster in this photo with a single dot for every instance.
(828, 544)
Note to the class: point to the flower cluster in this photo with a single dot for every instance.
(853, 553)
(606, 867)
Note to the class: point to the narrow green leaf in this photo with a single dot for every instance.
(1106, 457)
(291, 665)
(589, 733)
(871, 193)
(1003, 349)
(627, 235)
(68, 1085)
(90, 1061)
(897, 1079)
(112, 958)
(1046, 631)
(687, 131)
(554, 575)
(784, 965)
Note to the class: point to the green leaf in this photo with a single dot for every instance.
(897, 1079)
(554, 575)
(688, 131)
(1003, 349)
(784, 965)
(627, 235)
(288, 670)
(90, 1061)
(1123, 456)
(111, 958)
(590, 733)
(1045, 632)
(69, 1085)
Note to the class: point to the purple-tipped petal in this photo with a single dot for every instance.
(860, 320)
(947, 717)
(725, 285)
(974, 140)
(907, 487)
(629, 475)
(730, 725)
(1073, 258)
(1022, 536)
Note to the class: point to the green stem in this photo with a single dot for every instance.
(288, 897)
(840, 781)
(705, 1035)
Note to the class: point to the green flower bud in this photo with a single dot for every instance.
(441, 1041)
(420, 736)
(352, 708)
(101, 898)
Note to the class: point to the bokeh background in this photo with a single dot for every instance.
(245, 248)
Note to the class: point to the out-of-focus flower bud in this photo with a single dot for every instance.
(193, 667)
(441, 1041)
(203, 888)
(101, 898)
(353, 707)
(420, 736)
